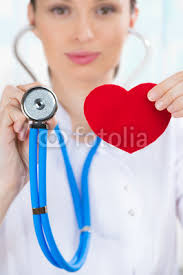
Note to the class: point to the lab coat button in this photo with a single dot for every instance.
(126, 187)
(131, 212)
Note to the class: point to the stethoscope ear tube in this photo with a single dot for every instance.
(39, 202)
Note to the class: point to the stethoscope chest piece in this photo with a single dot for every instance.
(39, 104)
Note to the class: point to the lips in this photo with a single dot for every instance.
(82, 53)
(82, 57)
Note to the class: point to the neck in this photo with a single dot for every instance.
(72, 94)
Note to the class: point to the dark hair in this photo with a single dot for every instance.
(132, 7)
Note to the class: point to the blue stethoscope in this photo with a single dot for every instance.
(39, 104)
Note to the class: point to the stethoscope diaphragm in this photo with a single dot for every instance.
(39, 104)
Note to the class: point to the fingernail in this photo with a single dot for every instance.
(151, 96)
(19, 128)
(170, 108)
(23, 134)
(159, 104)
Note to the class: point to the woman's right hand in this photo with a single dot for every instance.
(14, 139)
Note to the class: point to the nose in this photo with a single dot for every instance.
(83, 29)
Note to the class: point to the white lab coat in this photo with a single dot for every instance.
(134, 200)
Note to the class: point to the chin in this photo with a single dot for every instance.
(85, 73)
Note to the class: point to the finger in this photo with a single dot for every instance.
(26, 87)
(19, 124)
(12, 115)
(52, 123)
(178, 114)
(176, 106)
(18, 93)
(159, 90)
(15, 92)
(22, 135)
(9, 93)
(169, 97)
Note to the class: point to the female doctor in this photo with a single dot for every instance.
(134, 198)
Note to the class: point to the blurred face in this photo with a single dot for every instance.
(66, 26)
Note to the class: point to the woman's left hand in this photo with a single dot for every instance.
(169, 95)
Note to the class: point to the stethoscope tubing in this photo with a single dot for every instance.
(33, 134)
(39, 200)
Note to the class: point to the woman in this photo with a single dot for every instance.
(134, 198)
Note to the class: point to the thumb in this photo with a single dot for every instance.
(51, 124)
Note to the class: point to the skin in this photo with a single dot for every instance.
(14, 145)
(169, 93)
(82, 25)
(81, 29)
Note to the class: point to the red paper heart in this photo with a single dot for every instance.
(125, 119)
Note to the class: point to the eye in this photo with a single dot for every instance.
(105, 9)
(59, 10)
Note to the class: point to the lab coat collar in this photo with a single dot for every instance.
(65, 124)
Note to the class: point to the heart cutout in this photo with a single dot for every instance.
(125, 119)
